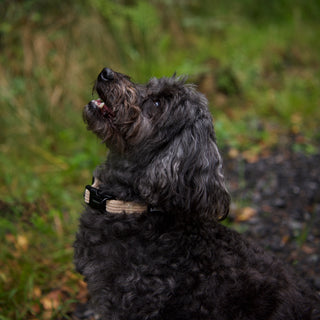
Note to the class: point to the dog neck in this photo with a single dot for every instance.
(97, 200)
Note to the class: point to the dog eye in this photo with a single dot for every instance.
(156, 103)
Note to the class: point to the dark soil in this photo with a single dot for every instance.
(282, 192)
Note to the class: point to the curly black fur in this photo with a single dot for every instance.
(175, 262)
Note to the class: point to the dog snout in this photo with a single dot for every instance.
(106, 75)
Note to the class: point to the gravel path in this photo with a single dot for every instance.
(276, 202)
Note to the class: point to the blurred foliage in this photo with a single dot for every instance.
(257, 62)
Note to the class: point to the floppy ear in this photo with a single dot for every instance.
(187, 176)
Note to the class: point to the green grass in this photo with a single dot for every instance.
(257, 65)
(35, 259)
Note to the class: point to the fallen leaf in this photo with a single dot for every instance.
(245, 214)
(22, 243)
(250, 156)
(36, 292)
(233, 153)
(35, 309)
(308, 250)
(285, 239)
(52, 300)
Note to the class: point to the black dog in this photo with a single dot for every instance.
(150, 245)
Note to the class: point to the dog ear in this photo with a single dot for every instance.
(187, 176)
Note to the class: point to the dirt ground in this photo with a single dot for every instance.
(278, 205)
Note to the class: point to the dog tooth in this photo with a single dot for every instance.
(100, 105)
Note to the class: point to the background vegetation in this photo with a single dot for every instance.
(257, 61)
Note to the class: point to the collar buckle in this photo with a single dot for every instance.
(97, 200)
(94, 198)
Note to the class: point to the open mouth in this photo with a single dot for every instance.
(106, 111)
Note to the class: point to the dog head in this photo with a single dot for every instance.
(166, 130)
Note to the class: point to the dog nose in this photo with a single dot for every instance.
(106, 74)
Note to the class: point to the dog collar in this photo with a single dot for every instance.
(97, 200)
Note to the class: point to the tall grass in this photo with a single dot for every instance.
(258, 66)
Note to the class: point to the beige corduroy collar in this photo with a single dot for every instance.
(94, 198)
